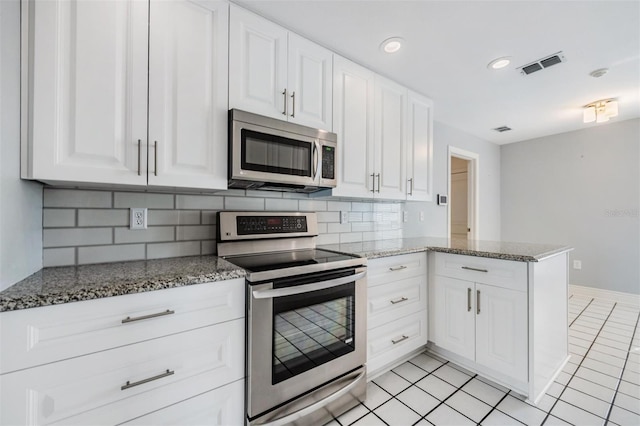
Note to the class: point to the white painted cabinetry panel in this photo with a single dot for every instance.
(419, 148)
(453, 316)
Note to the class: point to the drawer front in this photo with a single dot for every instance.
(393, 268)
(88, 389)
(219, 407)
(408, 333)
(394, 300)
(53, 333)
(500, 273)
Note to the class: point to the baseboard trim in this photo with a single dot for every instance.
(599, 293)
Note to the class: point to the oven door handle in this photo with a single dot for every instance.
(290, 418)
(306, 288)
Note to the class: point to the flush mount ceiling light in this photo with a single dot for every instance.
(498, 63)
(392, 45)
(599, 72)
(600, 111)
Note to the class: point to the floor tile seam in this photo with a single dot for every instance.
(574, 373)
(613, 402)
(380, 418)
(595, 383)
(578, 316)
(444, 400)
(495, 408)
(406, 405)
(475, 397)
(606, 353)
(592, 396)
(427, 371)
(358, 419)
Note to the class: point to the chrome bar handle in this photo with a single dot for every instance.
(402, 299)
(474, 269)
(396, 341)
(139, 156)
(378, 182)
(468, 300)
(155, 159)
(373, 182)
(293, 104)
(150, 379)
(478, 302)
(411, 186)
(316, 159)
(397, 268)
(144, 317)
(306, 288)
(284, 94)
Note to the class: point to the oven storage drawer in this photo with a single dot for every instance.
(221, 406)
(120, 384)
(394, 300)
(495, 272)
(392, 341)
(52, 333)
(393, 268)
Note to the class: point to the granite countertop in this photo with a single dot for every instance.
(521, 252)
(52, 286)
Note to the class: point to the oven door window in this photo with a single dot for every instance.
(274, 154)
(311, 329)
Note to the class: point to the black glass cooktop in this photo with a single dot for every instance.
(289, 259)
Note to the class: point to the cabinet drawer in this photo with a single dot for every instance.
(389, 269)
(88, 389)
(394, 300)
(219, 407)
(408, 333)
(53, 333)
(500, 273)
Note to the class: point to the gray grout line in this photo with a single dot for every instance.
(624, 366)
(581, 312)
(579, 365)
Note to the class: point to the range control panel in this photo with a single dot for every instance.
(249, 225)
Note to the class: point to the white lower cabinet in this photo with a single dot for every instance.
(397, 309)
(132, 379)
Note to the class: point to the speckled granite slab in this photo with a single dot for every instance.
(521, 252)
(52, 286)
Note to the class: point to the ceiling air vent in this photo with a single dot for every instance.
(543, 63)
(502, 129)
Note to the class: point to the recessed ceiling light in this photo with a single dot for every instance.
(392, 45)
(498, 63)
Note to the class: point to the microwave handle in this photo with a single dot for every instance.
(306, 288)
(316, 159)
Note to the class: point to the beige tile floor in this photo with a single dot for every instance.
(600, 385)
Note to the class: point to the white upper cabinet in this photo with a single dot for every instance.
(276, 73)
(390, 139)
(353, 97)
(188, 94)
(88, 102)
(88, 93)
(420, 148)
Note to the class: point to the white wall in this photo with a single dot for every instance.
(20, 201)
(435, 223)
(582, 189)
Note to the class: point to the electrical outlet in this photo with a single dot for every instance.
(405, 216)
(577, 264)
(138, 218)
(344, 217)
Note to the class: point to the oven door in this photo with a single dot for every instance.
(303, 332)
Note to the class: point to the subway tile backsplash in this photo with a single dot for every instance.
(92, 226)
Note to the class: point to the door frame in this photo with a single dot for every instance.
(473, 189)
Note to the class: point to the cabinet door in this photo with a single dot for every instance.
(188, 94)
(88, 93)
(310, 82)
(257, 64)
(501, 330)
(454, 316)
(420, 148)
(390, 139)
(353, 97)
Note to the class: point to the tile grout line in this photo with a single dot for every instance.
(624, 366)
(581, 361)
(447, 398)
(581, 312)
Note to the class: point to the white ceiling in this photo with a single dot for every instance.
(449, 44)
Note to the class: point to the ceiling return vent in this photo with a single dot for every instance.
(543, 63)
(502, 129)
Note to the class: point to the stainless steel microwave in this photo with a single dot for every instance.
(270, 154)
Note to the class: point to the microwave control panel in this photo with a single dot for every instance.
(328, 162)
(248, 225)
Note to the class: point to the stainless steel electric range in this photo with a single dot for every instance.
(306, 318)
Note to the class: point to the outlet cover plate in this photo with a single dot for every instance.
(138, 219)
